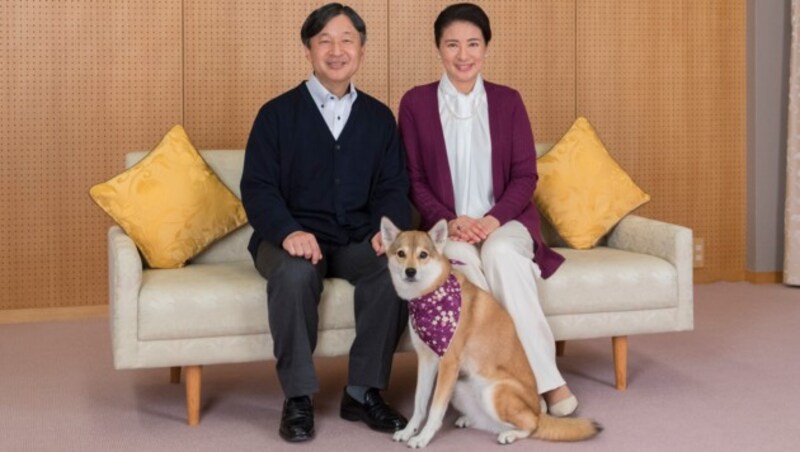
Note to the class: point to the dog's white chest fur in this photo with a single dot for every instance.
(473, 395)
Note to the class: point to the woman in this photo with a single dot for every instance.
(471, 160)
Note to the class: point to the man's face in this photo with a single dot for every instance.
(335, 54)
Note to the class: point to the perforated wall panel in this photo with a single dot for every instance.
(84, 82)
(664, 85)
(81, 83)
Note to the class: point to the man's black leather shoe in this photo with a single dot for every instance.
(374, 412)
(297, 420)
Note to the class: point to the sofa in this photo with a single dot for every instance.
(213, 310)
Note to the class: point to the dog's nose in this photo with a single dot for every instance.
(410, 272)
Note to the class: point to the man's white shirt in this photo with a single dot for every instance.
(334, 110)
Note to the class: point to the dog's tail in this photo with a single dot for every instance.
(565, 428)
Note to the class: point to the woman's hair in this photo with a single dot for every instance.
(320, 17)
(462, 12)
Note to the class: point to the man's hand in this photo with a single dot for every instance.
(303, 244)
(377, 244)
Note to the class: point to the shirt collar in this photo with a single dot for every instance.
(447, 87)
(321, 94)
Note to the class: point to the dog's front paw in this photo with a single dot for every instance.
(419, 441)
(510, 436)
(405, 434)
(463, 422)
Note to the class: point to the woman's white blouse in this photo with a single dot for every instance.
(465, 122)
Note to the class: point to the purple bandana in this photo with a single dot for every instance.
(435, 316)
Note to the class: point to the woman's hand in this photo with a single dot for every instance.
(466, 229)
(489, 224)
(472, 230)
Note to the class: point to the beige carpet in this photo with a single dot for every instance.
(733, 384)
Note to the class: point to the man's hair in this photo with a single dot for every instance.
(462, 12)
(320, 17)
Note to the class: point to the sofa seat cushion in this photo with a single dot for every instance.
(223, 299)
(608, 280)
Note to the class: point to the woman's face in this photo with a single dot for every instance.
(462, 51)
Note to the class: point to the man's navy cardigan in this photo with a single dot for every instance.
(298, 177)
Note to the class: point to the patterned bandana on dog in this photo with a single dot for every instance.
(435, 316)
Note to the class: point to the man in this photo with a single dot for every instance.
(323, 164)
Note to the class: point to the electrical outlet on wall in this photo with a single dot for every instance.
(699, 252)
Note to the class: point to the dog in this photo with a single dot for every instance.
(469, 351)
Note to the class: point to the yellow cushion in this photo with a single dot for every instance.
(170, 203)
(582, 191)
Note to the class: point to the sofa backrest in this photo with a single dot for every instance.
(543, 148)
(228, 164)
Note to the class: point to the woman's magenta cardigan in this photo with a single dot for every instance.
(514, 172)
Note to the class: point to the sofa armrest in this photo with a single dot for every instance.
(124, 282)
(656, 238)
(668, 241)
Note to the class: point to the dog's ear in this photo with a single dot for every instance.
(389, 232)
(438, 234)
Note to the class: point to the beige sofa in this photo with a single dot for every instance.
(213, 310)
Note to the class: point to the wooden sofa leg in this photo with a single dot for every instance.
(174, 375)
(620, 346)
(194, 376)
(560, 345)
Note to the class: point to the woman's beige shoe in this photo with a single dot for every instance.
(564, 407)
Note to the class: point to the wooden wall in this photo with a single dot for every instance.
(664, 85)
(83, 82)
(80, 83)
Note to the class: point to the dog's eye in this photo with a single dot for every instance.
(423, 255)
(401, 253)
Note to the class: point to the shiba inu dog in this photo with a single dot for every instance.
(468, 349)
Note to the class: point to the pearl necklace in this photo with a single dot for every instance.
(450, 94)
